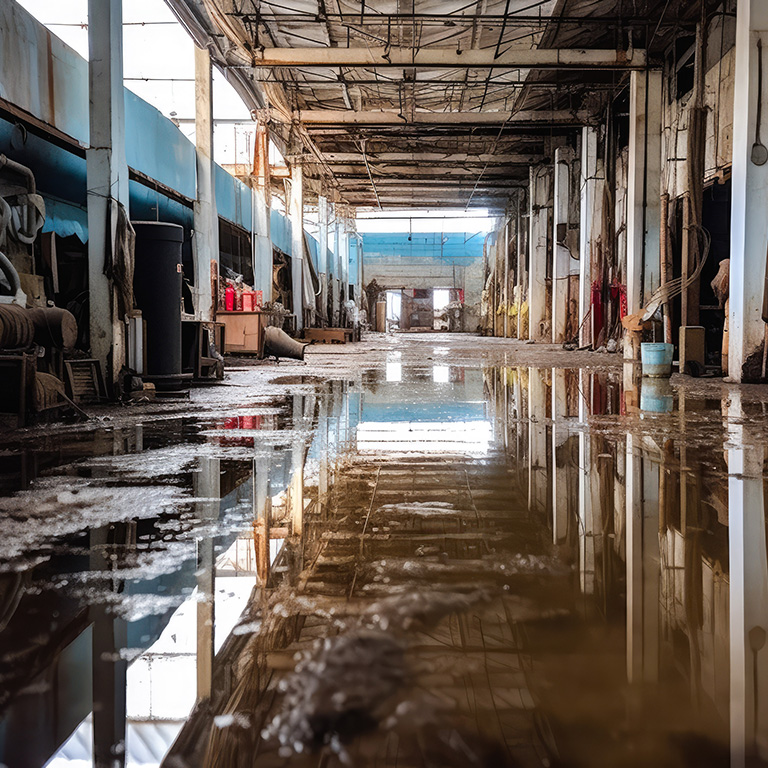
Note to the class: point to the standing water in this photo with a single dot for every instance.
(430, 563)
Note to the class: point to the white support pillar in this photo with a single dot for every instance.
(749, 224)
(206, 240)
(591, 205)
(643, 189)
(335, 281)
(522, 276)
(505, 273)
(262, 240)
(322, 217)
(107, 176)
(540, 179)
(342, 261)
(561, 257)
(748, 569)
(297, 241)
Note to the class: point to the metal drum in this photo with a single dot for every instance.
(157, 290)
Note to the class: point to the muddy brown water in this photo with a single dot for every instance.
(426, 563)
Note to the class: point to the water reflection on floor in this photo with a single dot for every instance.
(424, 564)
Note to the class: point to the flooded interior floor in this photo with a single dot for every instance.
(420, 550)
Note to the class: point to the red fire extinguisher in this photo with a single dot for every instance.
(229, 298)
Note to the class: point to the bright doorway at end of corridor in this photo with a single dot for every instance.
(441, 298)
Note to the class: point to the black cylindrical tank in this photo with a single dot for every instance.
(157, 289)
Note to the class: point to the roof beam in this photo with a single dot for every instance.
(355, 158)
(420, 171)
(523, 58)
(373, 117)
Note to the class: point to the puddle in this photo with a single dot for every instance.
(426, 563)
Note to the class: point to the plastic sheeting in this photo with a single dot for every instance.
(65, 219)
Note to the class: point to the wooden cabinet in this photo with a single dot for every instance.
(244, 331)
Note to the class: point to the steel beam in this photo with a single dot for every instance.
(372, 117)
(355, 158)
(451, 58)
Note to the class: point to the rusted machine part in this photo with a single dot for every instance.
(17, 331)
(54, 327)
(50, 393)
(21, 170)
(278, 343)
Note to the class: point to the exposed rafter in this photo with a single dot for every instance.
(513, 58)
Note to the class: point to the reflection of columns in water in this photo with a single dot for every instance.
(108, 668)
(642, 559)
(207, 488)
(261, 513)
(537, 440)
(748, 592)
(324, 458)
(301, 421)
(560, 469)
(296, 494)
(587, 487)
(519, 414)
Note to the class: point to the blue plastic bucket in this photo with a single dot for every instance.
(657, 359)
(657, 396)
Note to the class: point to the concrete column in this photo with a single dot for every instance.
(206, 242)
(643, 188)
(540, 181)
(107, 176)
(505, 273)
(561, 257)
(749, 224)
(342, 261)
(748, 571)
(262, 204)
(297, 241)
(334, 284)
(522, 277)
(322, 217)
(591, 204)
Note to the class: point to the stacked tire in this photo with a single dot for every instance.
(17, 329)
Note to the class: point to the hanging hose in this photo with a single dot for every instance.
(10, 273)
(5, 217)
(27, 218)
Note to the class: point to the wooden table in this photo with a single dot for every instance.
(333, 335)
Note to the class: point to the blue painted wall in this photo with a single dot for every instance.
(154, 145)
(455, 249)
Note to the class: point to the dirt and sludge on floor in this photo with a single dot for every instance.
(416, 550)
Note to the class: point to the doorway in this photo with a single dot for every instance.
(394, 310)
(441, 298)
